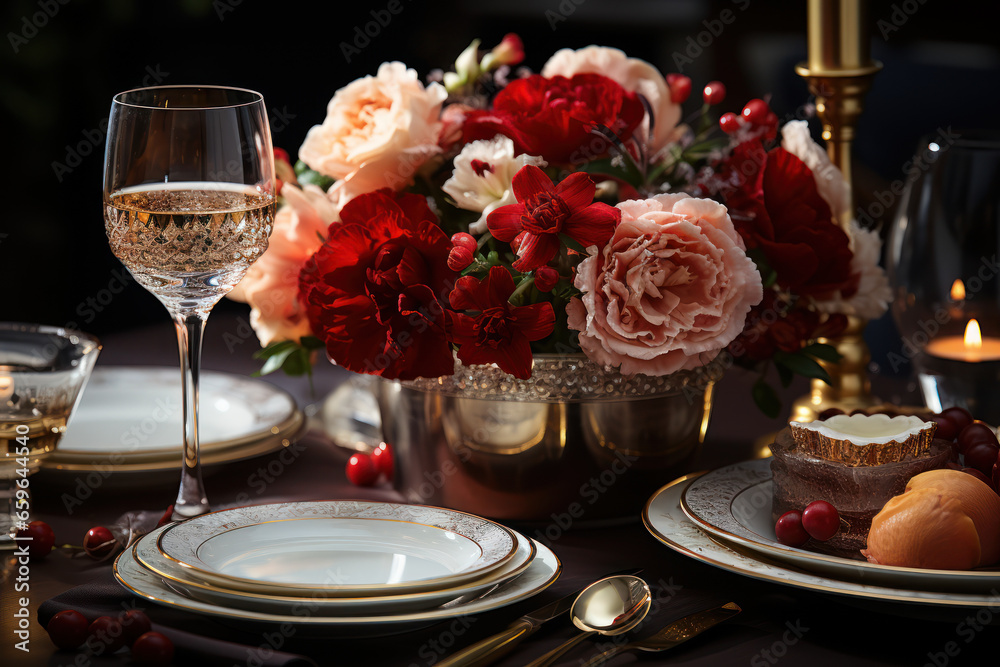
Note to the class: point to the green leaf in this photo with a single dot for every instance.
(801, 364)
(766, 398)
(628, 171)
(310, 177)
(784, 374)
(311, 343)
(572, 244)
(823, 351)
(276, 361)
(274, 348)
(297, 362)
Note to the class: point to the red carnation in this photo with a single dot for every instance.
(553, 117)
(544, 211)
(777, 208)
(374, 290)
(499, 333)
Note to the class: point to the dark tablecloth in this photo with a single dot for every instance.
(779, 624)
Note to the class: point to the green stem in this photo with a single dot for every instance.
(522, 287)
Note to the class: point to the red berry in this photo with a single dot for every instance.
(788, 529)
(464, 240)
(108, 631)
(680, 88)
(168, 517)
(546, 278)
(982, 457)
(382, 458)
(460, 258)
(67, 629)
(42, 539)
(974, 434)
(960, 417)
(281, 155)
(755, 112)
(714, 92)
(946, 429)
(821, 520)
(99, 542)
(978, 475)
(153, 649)
(729, 122)
(829, 412)
(361, 470)
(135, 623)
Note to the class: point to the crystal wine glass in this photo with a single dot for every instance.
(189, 203)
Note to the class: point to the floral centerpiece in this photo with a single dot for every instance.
(493, 213)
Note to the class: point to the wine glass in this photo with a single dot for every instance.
(942, 265)
(189, 203)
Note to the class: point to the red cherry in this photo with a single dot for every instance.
(153, 649)
(135, 624)
(99, 542)
(714, 92)
(41, 537)
(821, 520)
(974, 434)
(465, 240)
(67, 629)
(383, 460)
(788, 529)
(978, 475)
(960, 417)
(361, 470)
(829, 412)
(946, 429)
(982, 457)
(680, 88)
(755, 112)
(108, 631)
(729, 122)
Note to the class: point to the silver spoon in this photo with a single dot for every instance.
(609, 607)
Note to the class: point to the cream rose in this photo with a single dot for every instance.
(632, 74)
(271, 285)
(671, 289)
(482, 177)
(378, 131)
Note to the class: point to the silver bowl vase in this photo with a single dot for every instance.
(575, 443)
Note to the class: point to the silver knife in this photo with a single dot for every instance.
(493, 648)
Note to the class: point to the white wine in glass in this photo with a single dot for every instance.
(189, 203)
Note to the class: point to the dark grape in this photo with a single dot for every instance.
(946, 429)
(136, 623)
(960, 417)
(788, 529)
(978, 475)
(67, 629)
(974, 434)
(982, 457)
(153, 649)
(108, 631)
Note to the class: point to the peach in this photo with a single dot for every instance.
(945, 519)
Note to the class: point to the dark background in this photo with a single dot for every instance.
(60, 64)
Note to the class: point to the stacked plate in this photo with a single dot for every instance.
(337, 563)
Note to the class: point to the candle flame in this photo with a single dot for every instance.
(973, 336)
(958, 290)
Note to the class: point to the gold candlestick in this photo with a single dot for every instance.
(839, 71)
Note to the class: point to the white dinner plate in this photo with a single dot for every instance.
(668, 523)
(542, 572)
(341, 547)
(734, 504)
(130, 420)
(184, 581)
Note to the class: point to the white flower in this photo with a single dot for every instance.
(482, 177)
(872, 298)
(795, 139)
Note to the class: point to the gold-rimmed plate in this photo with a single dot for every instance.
(734, 504)
(666, 521)
(542, 573)
(339, 547)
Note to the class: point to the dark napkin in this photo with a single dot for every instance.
(210, 643)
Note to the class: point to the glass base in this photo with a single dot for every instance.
(974, 386)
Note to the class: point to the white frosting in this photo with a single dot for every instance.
(863, 430)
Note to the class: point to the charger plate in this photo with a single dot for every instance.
(542, 572)
(340, 547)
(129, 420)
(186, 582)
(668, 523)
(734, 503)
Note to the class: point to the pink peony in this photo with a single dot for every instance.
(632, 74)
(271, 285)
(378, 131)
(671, 289)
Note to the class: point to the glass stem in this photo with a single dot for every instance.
(191, 500)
